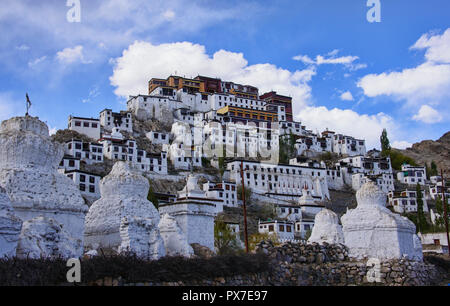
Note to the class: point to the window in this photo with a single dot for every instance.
(281, 228)
(92, 189)
(82, 178)
(92, 179)
(82, 187)
(270, 228)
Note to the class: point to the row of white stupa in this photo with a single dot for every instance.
(42, 213)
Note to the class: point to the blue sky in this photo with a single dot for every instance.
(344, 73)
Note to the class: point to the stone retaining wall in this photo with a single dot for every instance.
(301, 264)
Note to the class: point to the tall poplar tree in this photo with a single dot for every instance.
(385, 144)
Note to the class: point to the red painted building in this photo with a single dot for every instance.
(273, 98)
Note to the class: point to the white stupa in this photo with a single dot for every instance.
(327, 228)
(175, 241)
(123, 220)
(194, 213)
(373, 231)
(29, 161)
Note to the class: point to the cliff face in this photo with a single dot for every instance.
(429, 150)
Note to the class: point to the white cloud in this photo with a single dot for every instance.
(9, 106)
(52, 131)
(348, 122)
(401, 145)
(115, 22)
(347, 96)
(138, 65)
(426, 81)
(427, 114)
(417, 86)
(93, 93)
(23, 48)
(331, 59)
(71, 55)
(37, 61)
(169, 15)
(437, 46)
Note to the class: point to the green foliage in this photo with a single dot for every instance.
(151, 196)
(421, 220)
(206, 162)
(440, 221)
(225, 241)
(132, 269)
(248, 193)
(433, 170)
(329, 158)
(257, 238)
(398, 159)
(384, 140)
(287, 148)
(308, 234)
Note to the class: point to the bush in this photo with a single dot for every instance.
(398, 159)
(39, 272)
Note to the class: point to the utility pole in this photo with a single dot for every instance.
(245, 207)
(445, 210)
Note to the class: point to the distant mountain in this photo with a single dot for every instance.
(429, 150)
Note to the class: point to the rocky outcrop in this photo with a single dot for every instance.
(327, 228)
(373, 231)
(29, 161)
(123, 220)
(10, 226)
(175, 240)
(428, 150)
(43, 237)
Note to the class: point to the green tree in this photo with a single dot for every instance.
(287, 148)
(398, 159)
(248, 193)
(225, 241)
(152, 197)
(434, 170)
(421, 220)
(440, 212)
(221, 161)
(385, 144)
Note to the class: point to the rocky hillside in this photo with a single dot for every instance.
(429, 150)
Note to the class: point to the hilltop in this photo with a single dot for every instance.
(427, 151)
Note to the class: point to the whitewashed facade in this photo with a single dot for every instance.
(86, 126)
(412, 175)
(88, 152)
(405, 201)
(280, 179)
(122, 120)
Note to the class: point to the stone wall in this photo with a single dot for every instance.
(315, 265)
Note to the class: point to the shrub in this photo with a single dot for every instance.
(39, 272)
